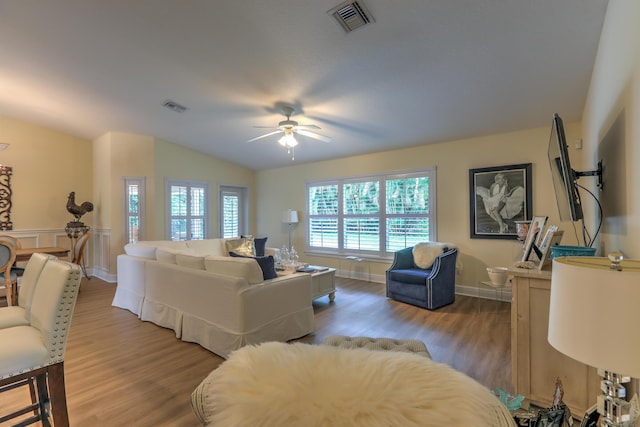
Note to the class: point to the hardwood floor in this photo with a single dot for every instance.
(122, 371)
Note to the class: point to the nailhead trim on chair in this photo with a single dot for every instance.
(384, 344)
(64, 314)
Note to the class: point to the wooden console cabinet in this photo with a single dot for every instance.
(535, 364)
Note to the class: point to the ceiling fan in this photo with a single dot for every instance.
(288, 128)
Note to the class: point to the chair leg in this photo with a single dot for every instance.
(32, 393)
(58, 395)
(43, 397)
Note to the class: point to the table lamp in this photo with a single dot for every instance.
(593, 319)
(290, 217)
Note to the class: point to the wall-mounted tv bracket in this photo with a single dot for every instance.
(597, 172)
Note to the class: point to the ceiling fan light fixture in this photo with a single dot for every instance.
(288, 140)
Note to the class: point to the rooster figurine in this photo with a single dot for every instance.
(75, 210)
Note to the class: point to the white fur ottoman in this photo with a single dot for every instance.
(282, 385)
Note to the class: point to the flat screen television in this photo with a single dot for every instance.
(563, 176)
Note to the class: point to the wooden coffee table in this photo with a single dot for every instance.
(323, 283)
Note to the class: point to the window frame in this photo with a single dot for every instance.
(128, 181)
(382, 253)
(243, 208)
(190, 184)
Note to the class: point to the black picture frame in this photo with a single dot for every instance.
(495, 205)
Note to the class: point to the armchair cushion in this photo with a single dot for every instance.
(415, 275)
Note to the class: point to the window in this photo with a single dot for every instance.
(232, 211)
(134, 195)
(187, 209)
(371, 216)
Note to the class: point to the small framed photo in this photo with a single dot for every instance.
(528, 245)
(499, 197)
(546, 240)
(537, 227)
(534, 237)
(551, 238)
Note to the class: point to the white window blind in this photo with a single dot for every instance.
(372, 216)
(232, 211)
(134, 197)
(187, 209)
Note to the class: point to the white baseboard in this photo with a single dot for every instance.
(362, 275)
(486, 293)
(102, 275)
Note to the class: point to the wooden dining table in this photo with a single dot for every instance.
(23, 254)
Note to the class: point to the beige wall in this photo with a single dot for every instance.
(283, 188)
(176, 162)
(118, 155)
(612, 116)
(47, 165)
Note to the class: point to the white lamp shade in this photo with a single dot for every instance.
(290, 217)
(593, 313)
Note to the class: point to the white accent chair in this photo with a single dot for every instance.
(19, 315)
(37, 349)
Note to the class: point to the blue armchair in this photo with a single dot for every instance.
(429, 288)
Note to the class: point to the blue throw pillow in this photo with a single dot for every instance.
(260, 243)
(266, 263)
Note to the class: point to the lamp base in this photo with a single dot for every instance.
(612, 405)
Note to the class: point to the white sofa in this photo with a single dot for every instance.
(208, 297)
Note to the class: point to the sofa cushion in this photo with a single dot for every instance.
(190, 260)
(266, 263)
(166, 255)
(241, 246)
(245, 268)
(214, 247)
(140, 250)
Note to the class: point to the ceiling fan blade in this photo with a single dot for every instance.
(265, 135)
(265, 127)
(313, 135)
(308, 126)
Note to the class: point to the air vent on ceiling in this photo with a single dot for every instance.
(172, 105)
(352, 15)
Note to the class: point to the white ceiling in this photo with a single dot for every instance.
(426, 71)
